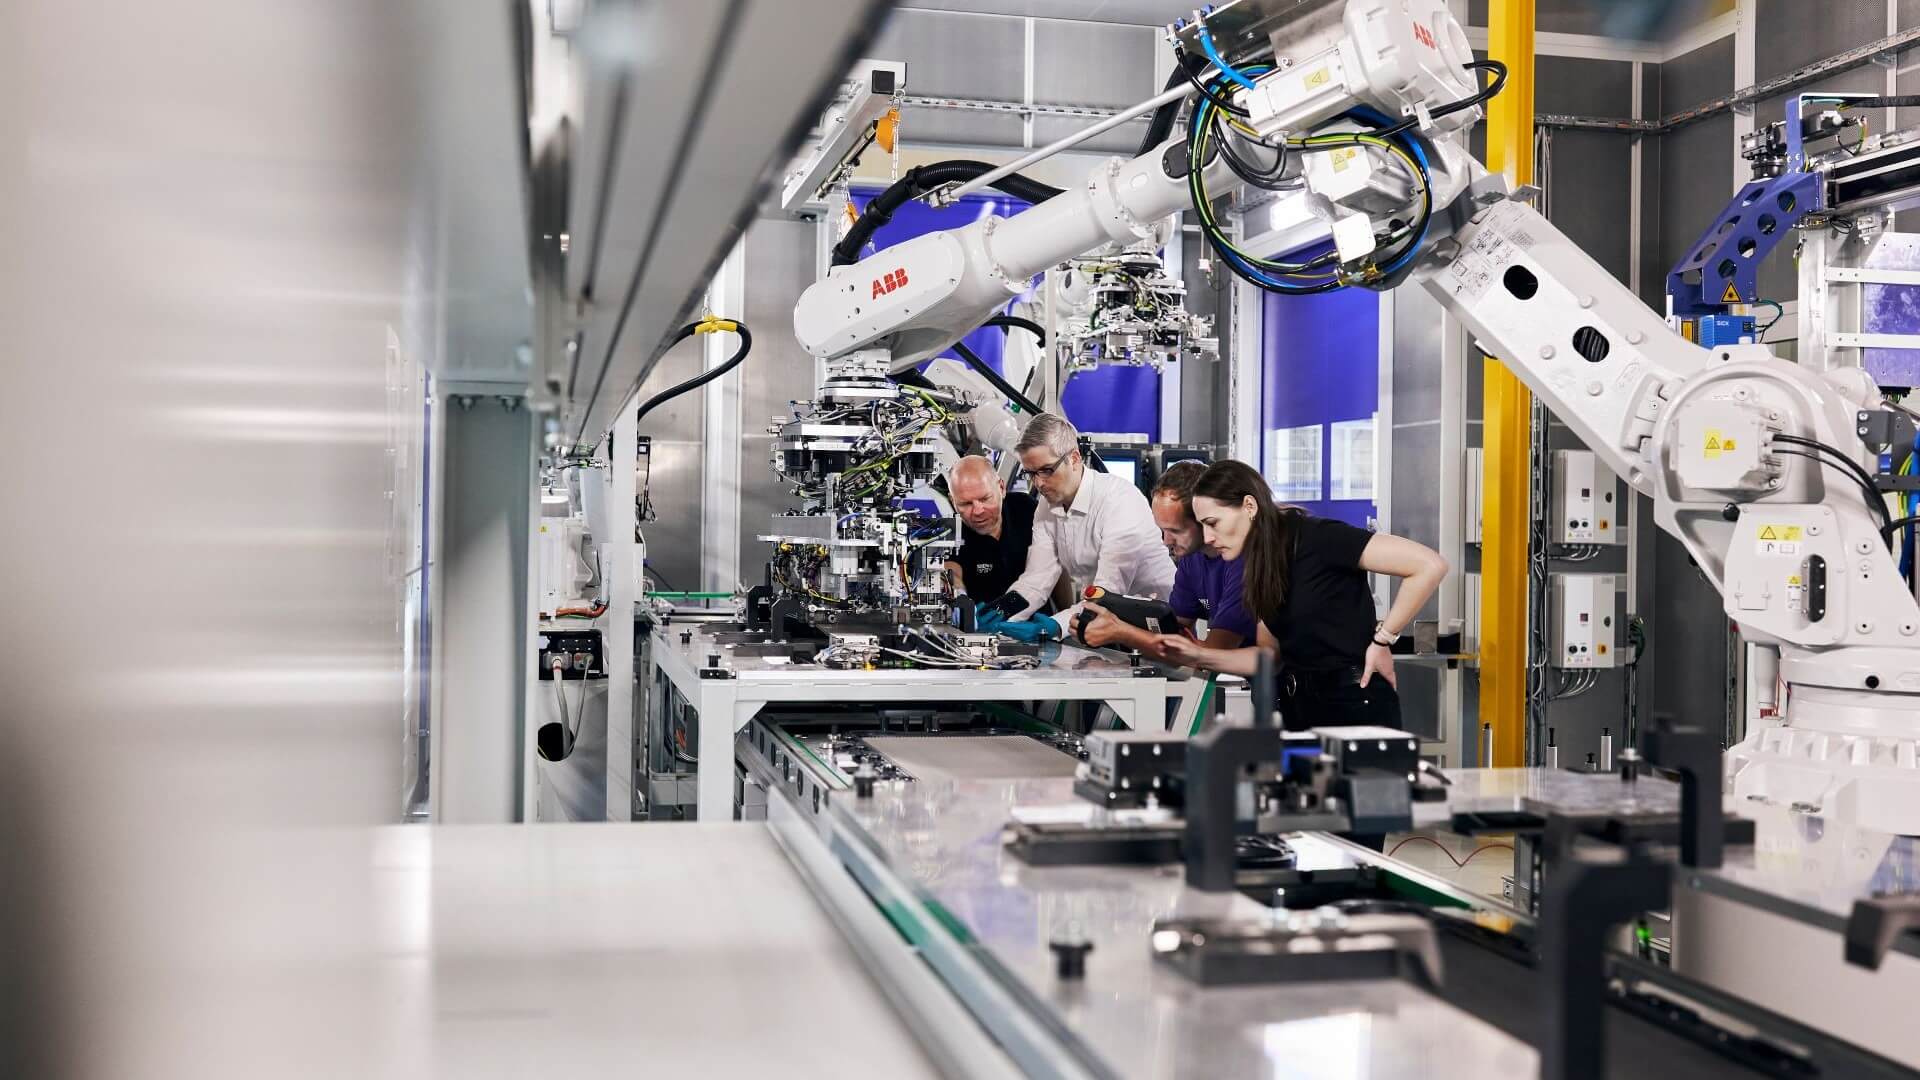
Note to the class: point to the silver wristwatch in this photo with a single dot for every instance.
(1381, 637)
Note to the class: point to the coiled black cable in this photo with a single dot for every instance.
(920, 180)
(705, 377)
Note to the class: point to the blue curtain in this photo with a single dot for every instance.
(1320, 360)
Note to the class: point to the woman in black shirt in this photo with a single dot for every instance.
(1306, 581)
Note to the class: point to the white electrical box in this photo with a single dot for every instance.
(1476, 476)
(1582, 612)
(1586, 501)
(1470, 605)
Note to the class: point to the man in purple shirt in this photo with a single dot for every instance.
(1205, 586)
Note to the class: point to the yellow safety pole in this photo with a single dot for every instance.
(1507, 424)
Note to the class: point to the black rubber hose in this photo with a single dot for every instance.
(1010, 321)
(917, 182)
(1161, 126)
(973, 361)
(705, 377)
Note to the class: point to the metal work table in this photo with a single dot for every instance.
(1543, 791)
(727, 704)
(936, 848)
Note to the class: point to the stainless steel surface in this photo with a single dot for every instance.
(948, 1034)
(780, 257)
(1767, 954)
(565, 950)
(655, 201)
(1768, 926)
(1814, 869)
(1130, 1016)
(1552, 790)
(480, 750)
(519, 950)
(934, 759)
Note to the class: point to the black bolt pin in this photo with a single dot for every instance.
(863, 781)
(713, 659)
(1070, 958)
(686, 637)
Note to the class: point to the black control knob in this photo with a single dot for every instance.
(686, 637)
(1730, 512)
(1070, 958)
(713, 659)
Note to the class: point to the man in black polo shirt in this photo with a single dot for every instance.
(996, 528)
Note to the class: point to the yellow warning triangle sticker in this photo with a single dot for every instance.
(1731, 296)
(1768, 534)
(1713, 442)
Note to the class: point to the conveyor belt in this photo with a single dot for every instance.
(973, 757)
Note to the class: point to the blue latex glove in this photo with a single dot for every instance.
(987, 620)
(1033, 630)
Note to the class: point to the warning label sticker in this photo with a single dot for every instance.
(1780, 540)
(1731, 295)
(1494, 246)
(1318, 77)
(1715, 443)
(1342, 158)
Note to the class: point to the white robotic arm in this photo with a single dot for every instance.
(916, 299)
(1727, 442)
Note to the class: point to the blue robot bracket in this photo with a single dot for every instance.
(1722, 267)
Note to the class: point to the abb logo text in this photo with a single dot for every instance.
(893, 279)
(1424, 36)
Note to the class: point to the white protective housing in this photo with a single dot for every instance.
(1402, 57)
(991, 421)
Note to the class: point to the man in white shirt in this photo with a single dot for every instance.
(1093, 528)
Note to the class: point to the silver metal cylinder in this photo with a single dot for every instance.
(1606, 749)
(1553, 751)
(1486, 746)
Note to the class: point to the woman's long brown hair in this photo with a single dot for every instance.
(1267, 558)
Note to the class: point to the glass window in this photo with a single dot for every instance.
(1294, 463)
(1350, 473)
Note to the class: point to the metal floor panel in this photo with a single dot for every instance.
(973, 757)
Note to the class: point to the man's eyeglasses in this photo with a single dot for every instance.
(1045, 472)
